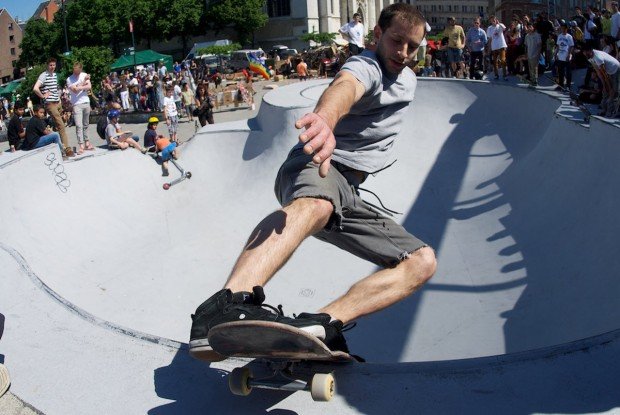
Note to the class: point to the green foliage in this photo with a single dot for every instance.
(97, 22)
(180, 17)
(370, 37)
(218, 50)
(25, 88)
(245, 16)
(41, 40)
(96, 61)
(319, 38)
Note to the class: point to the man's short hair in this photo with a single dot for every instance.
(451, 18)
(18, 105)
(78, 64)
(38, 107)
(586, 47)
(50, 60)
(356, 15)
(402, 11)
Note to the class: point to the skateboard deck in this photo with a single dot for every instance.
(293, 356)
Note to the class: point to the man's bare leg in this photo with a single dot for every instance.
(384, 288)
(275, 239)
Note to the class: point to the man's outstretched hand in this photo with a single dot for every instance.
(319, 140)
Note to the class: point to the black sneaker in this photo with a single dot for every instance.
(223, 307)
(331, 333)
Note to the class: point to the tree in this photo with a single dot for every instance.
(96, 61)
(245, 16)
(25, 88)
(98, 22)
(319, 38)
(218, 50)
(182, 18)
(41, 40)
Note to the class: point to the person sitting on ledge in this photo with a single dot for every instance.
(117, 138)
(39, 134)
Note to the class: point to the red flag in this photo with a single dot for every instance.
(131, 26)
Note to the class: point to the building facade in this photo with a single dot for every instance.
(464, 12)
(10, 38)
(290, 19)
(47, 10)
(561, 9)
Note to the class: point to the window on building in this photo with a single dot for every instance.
(440, 7)
(12, 38)
(278, 8)
(12, 51)
(11, 26)
(433, 20)
(464, 9)
(433, 8)
(449, 8)
(480, 10)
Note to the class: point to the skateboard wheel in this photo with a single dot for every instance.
(238, 381)
(166, 186)
(188, 175)
(322, 387)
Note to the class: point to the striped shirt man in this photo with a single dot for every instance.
(49, 83)
(46, 88)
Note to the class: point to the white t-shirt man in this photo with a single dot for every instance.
(601, 58)
(80, 97)
(355, 31)
(563, 44)
(496, 34)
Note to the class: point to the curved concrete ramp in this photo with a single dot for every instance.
(519, 203)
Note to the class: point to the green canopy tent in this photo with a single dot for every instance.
(143, 57)
(7, 90)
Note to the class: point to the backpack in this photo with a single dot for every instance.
(102, 123)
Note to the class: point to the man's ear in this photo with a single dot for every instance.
(377, 32)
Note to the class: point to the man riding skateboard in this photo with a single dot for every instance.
(349, 135)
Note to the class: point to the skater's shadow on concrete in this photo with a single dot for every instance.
(196, 388)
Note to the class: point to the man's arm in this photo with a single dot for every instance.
(335, 102)
(37, 89)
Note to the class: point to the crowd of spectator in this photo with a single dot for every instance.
(528, 48)
(525, 47)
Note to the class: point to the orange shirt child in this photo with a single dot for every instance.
(161, 142)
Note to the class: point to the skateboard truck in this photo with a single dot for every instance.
(322, 386)
(184, 175)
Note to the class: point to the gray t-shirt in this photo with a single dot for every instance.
(365, 137)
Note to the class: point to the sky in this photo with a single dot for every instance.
(23, 9)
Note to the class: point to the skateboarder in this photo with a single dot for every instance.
(349, 135)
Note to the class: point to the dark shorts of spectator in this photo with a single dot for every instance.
(354, 49)
(455, 55)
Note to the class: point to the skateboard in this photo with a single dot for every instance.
(184, 175)
(294, 359)
(576, 102)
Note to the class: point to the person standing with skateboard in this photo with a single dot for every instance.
(349, 135)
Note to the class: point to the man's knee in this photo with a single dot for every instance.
(421, 266)
(318, 209)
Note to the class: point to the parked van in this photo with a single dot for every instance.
(240, 59)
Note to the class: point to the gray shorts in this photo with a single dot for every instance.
(355, 226)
